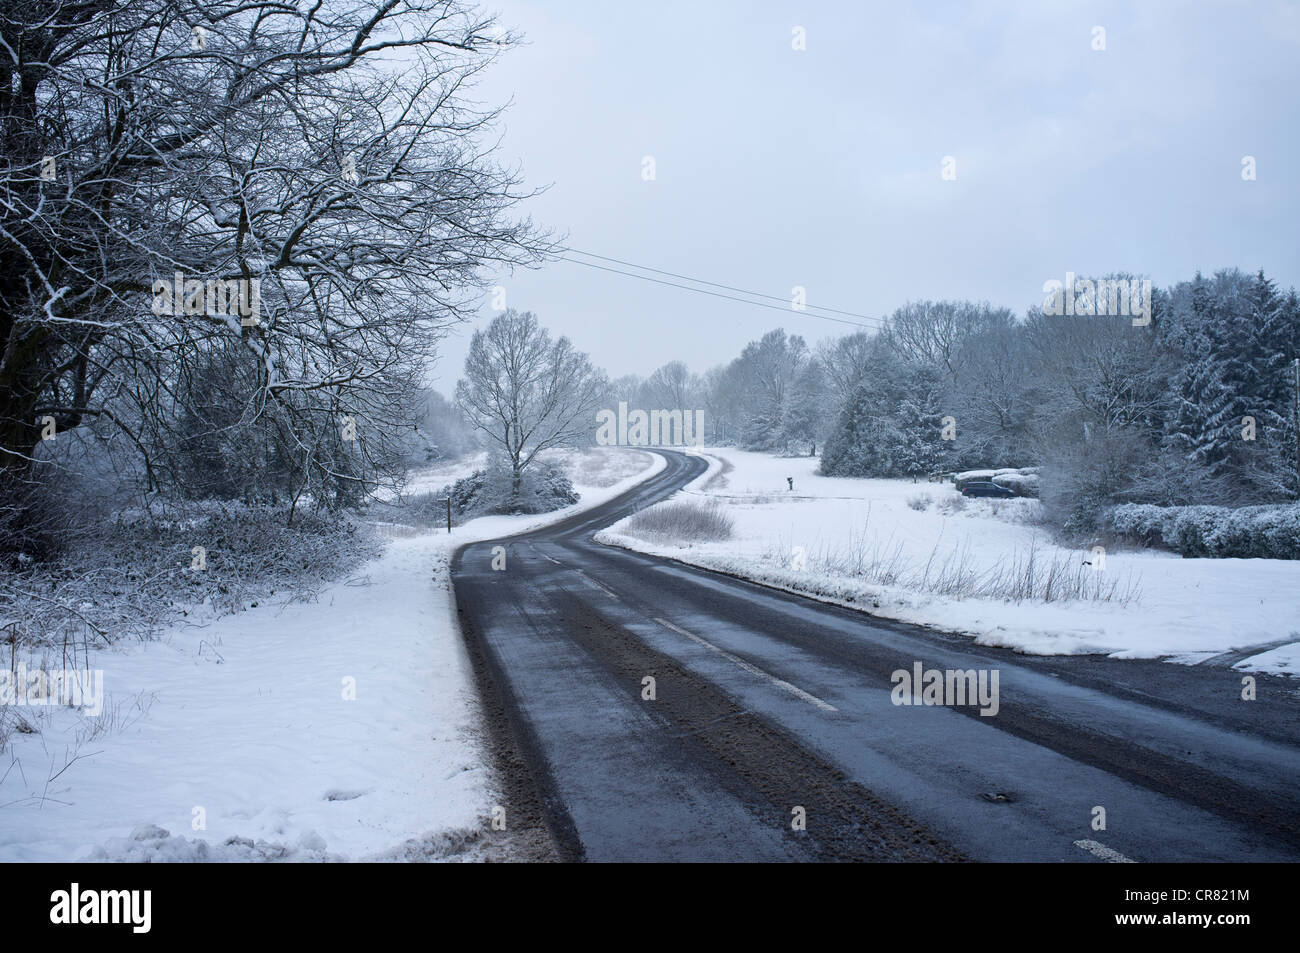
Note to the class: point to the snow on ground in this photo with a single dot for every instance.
(590, 466)
(438, 475)
(1188, 609)
(243, 724)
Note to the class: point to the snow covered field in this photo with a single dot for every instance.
(932, 553)
(245, 724)
(433, 478)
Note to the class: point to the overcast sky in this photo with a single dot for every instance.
(821, 168)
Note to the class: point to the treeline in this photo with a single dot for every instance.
(1194, 407)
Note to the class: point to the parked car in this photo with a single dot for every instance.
(985, 488)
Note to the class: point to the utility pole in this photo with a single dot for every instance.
(449, 514)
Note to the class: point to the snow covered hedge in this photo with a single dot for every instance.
(1221, 532)
(144, 570)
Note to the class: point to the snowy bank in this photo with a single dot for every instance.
(918, 552)
(341, 728)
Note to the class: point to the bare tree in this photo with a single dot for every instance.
(844, 360)
(722, 404)
(997, 396)
(934, 333)
(766, 374)
(669, 387)
(1097, 371)
(325, 151)
(526, 392)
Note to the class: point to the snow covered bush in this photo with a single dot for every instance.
(952, 504)
(145, 569)
(1085, 478)
(920, 502)
(682, 521)
(1020, 510)
(543, 487)
(423, 510)
(1248, 532)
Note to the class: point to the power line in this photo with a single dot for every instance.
(714, 284)
(758, 304)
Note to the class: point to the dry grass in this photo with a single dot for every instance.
(681, 522)
(1027, 576)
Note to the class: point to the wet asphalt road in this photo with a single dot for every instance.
(769, 707)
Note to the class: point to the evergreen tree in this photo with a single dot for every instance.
(1230, 394)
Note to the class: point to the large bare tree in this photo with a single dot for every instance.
(935, 333)
(844, 360)
(670, 386)
(527, 392)
(326, 150)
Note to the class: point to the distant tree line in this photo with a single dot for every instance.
(1195, 407)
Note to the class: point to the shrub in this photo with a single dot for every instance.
(1217, 532)
(952, 504)
(136, 574)
(1085, 478)
(682, 521)
(544, 487)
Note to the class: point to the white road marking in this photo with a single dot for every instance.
(1104, 852)
(596, 584)
(753, 670)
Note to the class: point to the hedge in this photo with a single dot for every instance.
(1216, 532)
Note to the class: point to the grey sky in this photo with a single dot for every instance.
(821, 168)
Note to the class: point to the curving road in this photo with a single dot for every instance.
(769, 708)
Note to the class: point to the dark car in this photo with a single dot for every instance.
(985, 488)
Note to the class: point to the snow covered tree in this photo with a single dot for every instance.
(892, 425)
(806, 420)
(669, 388)
(322, 160)
(1232, 392)
(526, 392)
(760, 384)
(997, 400)
(843, 362)
(855, 445)
(935, 333)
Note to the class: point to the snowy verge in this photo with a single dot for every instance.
(1186, 610)
(338, 729)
